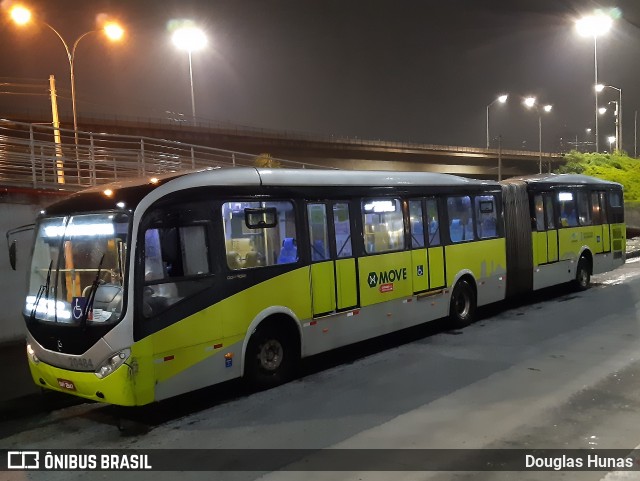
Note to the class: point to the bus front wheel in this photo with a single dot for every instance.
(583, 274)
(270, 358)
(462, 309)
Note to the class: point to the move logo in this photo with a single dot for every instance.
(385, 278)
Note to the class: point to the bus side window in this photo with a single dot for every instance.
(568, 216)
(176, 259)
(603, 208)
(548, 205)
(538, 207)
(417, 224)
(259, 234)
(596, 211)
(486, 216)
(383, 224)
(460, 218)
(433, 222)
(584, 211)
(318, 232)
(342, 228)
(616, 213)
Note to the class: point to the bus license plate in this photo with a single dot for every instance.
(65, 384)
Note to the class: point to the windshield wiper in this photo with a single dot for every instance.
(42, 290)
(92, 295)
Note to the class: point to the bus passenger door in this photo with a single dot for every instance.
(323, 279)
(435, 250)
(540, 235)
(345, 262)
(333, 268)
(604, 218)
(552, 229)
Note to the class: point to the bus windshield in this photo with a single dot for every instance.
(73, 256)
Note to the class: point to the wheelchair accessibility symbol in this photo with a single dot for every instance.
(78, 305)
(420, 270)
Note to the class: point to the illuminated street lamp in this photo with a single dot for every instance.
(531, 102)
(611, 139)
(602, 110)
(594, 26)
(502, 99)
(114, 32)
(618, 114)
(190, 38)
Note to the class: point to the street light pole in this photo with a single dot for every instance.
(22, 16)
(193, 101)
(190, 38)
(531, 102)
(595, 68)
(593, 26)
(502, 99)
(540, 141)
(618, 112)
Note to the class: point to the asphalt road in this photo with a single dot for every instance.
(557, 370)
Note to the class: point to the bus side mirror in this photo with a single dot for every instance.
(12, 244)
(12, 255)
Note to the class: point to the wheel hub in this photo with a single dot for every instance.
(270, 355)
(462, 305)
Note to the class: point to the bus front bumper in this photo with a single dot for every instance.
(116, 388)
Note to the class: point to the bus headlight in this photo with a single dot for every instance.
(112, 363)
(32, 354)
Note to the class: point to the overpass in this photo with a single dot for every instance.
(327, 151)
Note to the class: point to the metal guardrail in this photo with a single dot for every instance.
(222, 127)
(40, 156)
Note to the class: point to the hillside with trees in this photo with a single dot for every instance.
(617, 167)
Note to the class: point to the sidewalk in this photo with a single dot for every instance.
(18, 388)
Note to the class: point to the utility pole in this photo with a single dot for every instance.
(56, 130)
(499, 158)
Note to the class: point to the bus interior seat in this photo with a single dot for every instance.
(455, 230)
(289, 251)
(253, 259)
(233, 260)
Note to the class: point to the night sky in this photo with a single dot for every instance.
(420, 71)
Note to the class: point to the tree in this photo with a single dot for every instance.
(266, 161)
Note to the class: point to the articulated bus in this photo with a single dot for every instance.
(143, 290)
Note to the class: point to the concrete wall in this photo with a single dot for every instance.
(16, 208)
(632, 216)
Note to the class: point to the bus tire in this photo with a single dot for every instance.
(583, 275)
(462, 309)
(270, 357)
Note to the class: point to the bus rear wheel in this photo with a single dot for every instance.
(270, 358)
(583, 274)
(462, 309)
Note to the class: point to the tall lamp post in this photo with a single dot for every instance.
(594, 26)
(531, 102)
(190, 38)
(502, 99)
(21, 16)
(618, 113)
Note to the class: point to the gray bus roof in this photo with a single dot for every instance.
(316, 177)
(575, 179)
